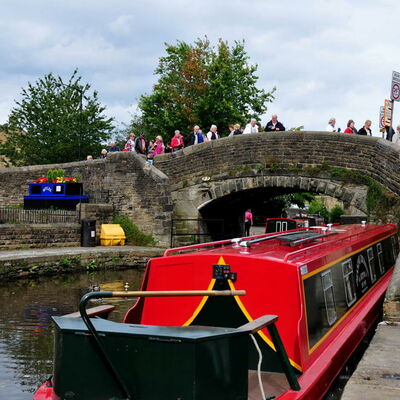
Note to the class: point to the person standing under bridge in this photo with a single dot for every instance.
(248, 221)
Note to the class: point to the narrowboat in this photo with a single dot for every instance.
(272, 316)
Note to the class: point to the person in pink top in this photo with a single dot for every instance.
(248, 221)
(158, 146)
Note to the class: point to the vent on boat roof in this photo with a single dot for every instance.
(303, 237)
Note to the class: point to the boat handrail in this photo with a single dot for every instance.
(241, 241)
(219, 243)
(322, 245)
(264, 238)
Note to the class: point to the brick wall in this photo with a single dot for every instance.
(26, 236)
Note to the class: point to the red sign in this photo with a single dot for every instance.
(382, 118)
(395, 88)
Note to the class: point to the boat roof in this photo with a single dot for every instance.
(297, 246)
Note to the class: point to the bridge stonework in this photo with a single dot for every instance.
(179, 184)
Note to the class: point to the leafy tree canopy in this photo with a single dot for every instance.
(317, 207)
(199, 84)
(299, 199)
(55, 122)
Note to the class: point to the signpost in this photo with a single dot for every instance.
(395, 88)
(382, 119)
(388, 113)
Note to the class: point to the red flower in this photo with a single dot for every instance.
(42, 179)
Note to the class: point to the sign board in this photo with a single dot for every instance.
(382, 118)
(395, 88)
(388, 111)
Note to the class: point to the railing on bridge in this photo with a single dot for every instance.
(48, 216)
(212, 228)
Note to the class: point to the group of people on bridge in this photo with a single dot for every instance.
(154, 147)
(391, 134)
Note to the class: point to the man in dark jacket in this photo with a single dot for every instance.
(140, 144)
(274, 125)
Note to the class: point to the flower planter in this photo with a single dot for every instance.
(54, 195)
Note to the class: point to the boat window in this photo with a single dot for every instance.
(281, 226)
(327, 286)
(349, 283)
(371, 264)
(380, 258)
(394, 248)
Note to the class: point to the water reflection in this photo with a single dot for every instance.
(26, 330)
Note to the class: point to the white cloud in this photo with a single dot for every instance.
(122, 25)
(327, 58)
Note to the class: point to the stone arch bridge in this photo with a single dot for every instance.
(223, 177)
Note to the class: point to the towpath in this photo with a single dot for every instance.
(34, 262)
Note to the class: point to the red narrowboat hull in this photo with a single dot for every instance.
(318, 378)
(326, 287)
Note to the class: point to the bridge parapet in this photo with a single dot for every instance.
(286, 150)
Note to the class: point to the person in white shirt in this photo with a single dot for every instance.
(252, 127)
(396, 136)
(212, 135)
(331, 125)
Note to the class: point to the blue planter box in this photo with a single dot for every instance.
(55, 189)
(54, 195)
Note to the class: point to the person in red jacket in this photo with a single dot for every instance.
(177, 141)
(350, 127)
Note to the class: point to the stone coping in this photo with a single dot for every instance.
(73, 251)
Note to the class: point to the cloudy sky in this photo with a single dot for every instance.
(326, 58)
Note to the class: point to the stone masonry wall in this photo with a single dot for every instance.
(149, 194)
(15, 265)
(15, 236)
(372, 155)
(102, 213)
(134, 188)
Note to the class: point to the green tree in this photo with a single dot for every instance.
(336, 213)
(55, 122)
(316, 207)
(300, 199)
(201, 84)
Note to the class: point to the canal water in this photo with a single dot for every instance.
(26, 330)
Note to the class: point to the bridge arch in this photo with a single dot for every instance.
(227, 199)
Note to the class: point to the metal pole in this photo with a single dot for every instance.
(281, 352)
(80, 123)
(391, 121)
